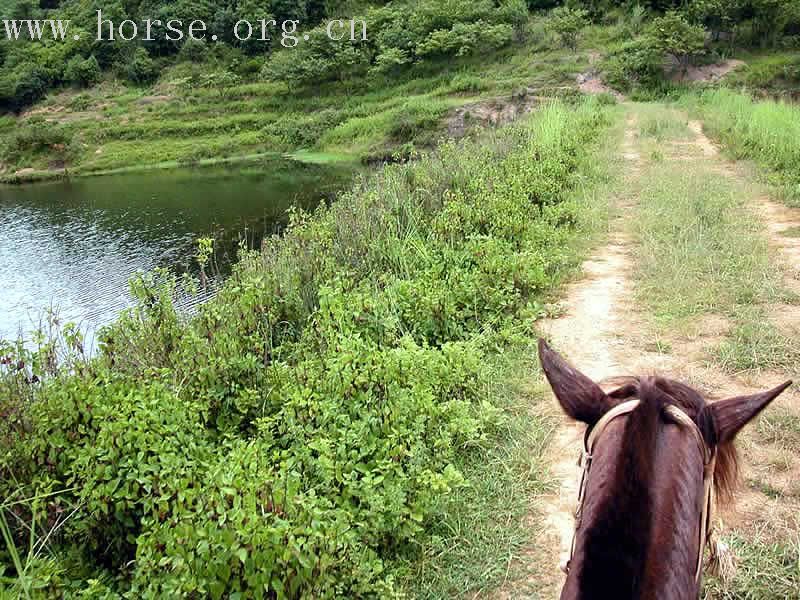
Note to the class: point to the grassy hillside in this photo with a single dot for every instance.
(113, 126)
(177, 121)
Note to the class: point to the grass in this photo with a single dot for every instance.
(755, 344)
(780, 426)
(767, 132)
(485, 522)
(776, 72)
(699, 250)
(791, 232)
(661, 126)
(113, 126)
(766, 569)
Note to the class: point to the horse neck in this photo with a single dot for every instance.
(638, 536)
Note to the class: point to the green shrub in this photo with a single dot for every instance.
(567, 23)
(296, 437)
(674, 36)
(635, 64)
(140, 69)
(193, 51)
(82, 72)
(34, 138)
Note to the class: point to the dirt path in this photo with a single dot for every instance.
(604, 333)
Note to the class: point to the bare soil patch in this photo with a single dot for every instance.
(708, 73)
(491, 113)
(591, 83)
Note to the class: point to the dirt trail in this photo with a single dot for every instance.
(587, 334)
(603, 333)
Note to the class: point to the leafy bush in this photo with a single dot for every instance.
(193, 51)
(635, 64)
(567, 23)
(672, 35)
(34, 138)
(317, 60)
(82, 72)
(295, 438)
(141, 69)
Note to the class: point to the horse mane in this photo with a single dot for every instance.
(726, 469)
(623, 521)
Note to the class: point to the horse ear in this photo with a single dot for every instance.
(580, 397)
(734, 413)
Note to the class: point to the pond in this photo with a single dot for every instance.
(73, 245)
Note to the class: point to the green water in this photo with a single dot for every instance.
(73, 245)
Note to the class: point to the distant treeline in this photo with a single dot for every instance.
(401, 33)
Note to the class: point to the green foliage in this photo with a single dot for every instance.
(767, 132)
(297, 437)
(317, 60)
(35, 138)
(141, 69)
(672, 35)
(635, 64)
(770, 18)
(400, 35)
(82, 72)
(193, 51)
(777, 73)
(716, 15)
(567, 23)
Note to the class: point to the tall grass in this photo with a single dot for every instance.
(765, 131)
(700, 251)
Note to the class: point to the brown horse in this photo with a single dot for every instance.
(654, 447)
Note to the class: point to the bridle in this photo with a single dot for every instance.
(680, 418)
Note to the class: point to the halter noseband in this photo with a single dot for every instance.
(678, 417)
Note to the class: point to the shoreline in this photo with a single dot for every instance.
(301, 156)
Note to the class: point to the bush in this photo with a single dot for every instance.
(672, 35)
(141, 69)
(193, 51)
(296, 437)
(635, 64)
(567, 23)
(34, 138)
(82, 72)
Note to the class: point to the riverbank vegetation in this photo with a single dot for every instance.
(301, 435)
(91, 107)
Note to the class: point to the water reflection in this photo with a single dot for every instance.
(76, 244)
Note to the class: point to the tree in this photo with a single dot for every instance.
(318, 59)
(674, 36)
(141, 69)
(716, 15)
(770, 18)
(82, 72)
(567, 23)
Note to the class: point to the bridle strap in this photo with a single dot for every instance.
(677, 416)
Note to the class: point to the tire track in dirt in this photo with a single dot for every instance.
(768, 501)
(605, 334)
(588, 333)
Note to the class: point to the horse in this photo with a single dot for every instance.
(656, 454)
